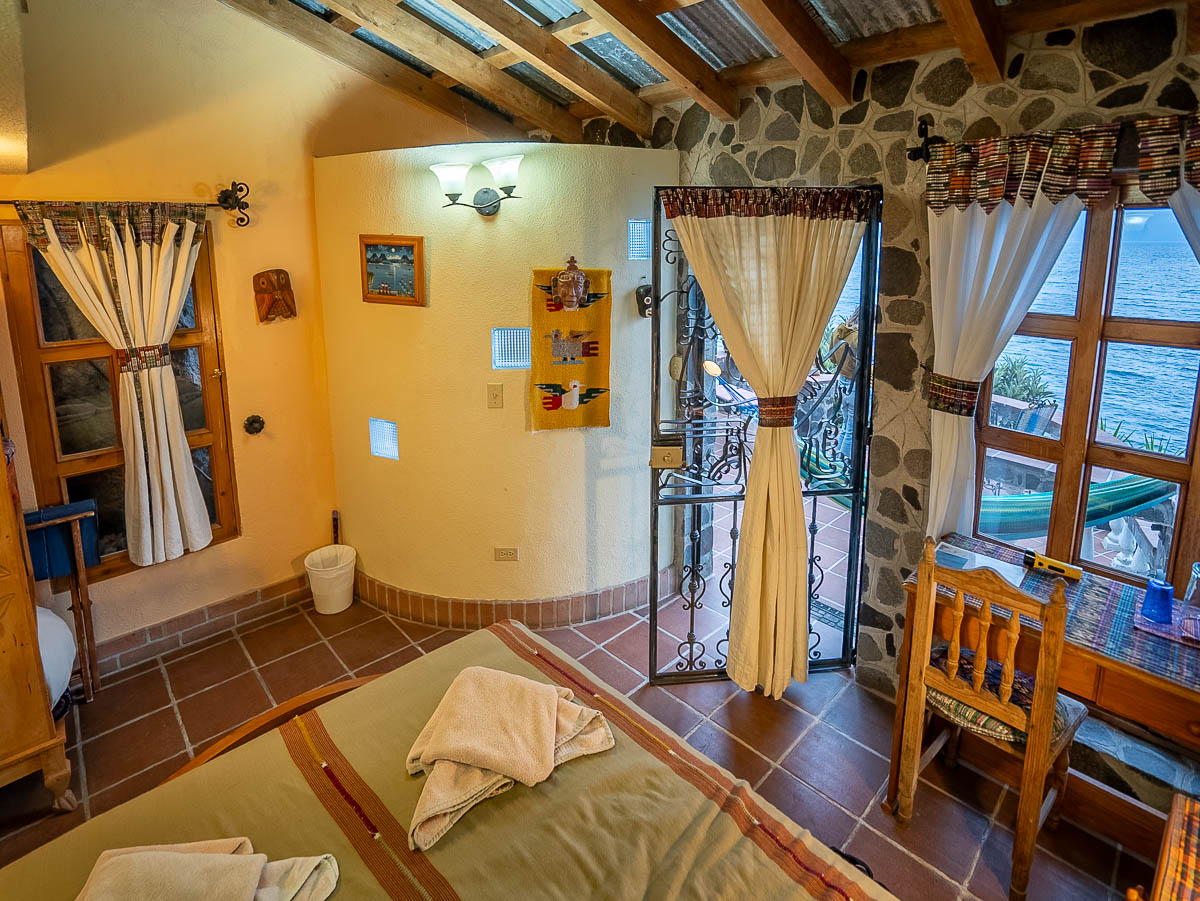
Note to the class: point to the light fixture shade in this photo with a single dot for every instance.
(452, 177)
(504, 171)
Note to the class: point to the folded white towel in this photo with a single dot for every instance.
(492, 729)
(224, 868)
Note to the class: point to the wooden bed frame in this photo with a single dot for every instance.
(270, 720)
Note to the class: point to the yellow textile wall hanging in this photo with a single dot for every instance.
(568, 384)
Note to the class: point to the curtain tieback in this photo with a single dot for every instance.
(776, 412)
(950, 395)
(135, 359)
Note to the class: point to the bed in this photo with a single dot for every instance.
(650, 818)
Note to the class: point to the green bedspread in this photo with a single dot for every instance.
(650, 818)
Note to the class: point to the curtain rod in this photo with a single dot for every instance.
(231, 199)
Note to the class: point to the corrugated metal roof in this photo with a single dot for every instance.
(468, 35)
(613, 57)
(845, 20)
(720, 32)
(541, 82)
(546, 11)
(370, 37)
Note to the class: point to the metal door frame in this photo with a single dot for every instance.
(864, 386)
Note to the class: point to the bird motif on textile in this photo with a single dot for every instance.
(568, 397)
(571, 347)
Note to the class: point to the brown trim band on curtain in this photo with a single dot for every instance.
(810, 203)
(148, 220)
(1161, 150)
(777, 412)
(950, 395)
(135, 359)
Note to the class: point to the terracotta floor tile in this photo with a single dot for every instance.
(729, 752)
(115, 705)
(865, 717)
(666, 708)
(440, 639)
(283, 636)
(27, 800)
(206, 668)
(633, 648)
(390, 662)
(604, 629)
(135, 785)
(1081, 849)
(809, 808)
(611, 670)
(367, 643)
(709, 617)
(222, 707)
(569, 641)
(297, 673)
(46, 829)
(129, 672)
(131, 748)
(1049, 878)
(943, 831)
(354, 615)
(904, 876)
(816, 694)
(703, 696)
(770, 727)
(842, 770)
(417, 631)
(966, 784)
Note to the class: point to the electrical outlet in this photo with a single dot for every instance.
(506, 554)
(495, 396)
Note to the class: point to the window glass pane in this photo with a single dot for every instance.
(1017, 494)
(61, 319)
(202, 461)
(187, 316)
(1029, 385)
(185, 362)
(1059, 294)
(107, 487)
(1147, 396)
(1157, 273)
(1130, 522)
(82, 398)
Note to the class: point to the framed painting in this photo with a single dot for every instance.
(393, 269)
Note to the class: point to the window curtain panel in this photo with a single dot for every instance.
(128, 268)
(1162, 157)
(771, 263)
(1000, 211)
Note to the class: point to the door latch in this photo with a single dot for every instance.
(666, 456)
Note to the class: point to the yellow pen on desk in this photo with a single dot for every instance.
(1034, 560)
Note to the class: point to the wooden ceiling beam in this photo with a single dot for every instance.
(643, 33)
(335, 44)
(505, 25)
(802, 43)
(975, 25)
(413, 35)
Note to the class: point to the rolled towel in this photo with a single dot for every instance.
(224, 868)
(492, 729)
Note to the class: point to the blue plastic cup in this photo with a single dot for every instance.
(1160, 597)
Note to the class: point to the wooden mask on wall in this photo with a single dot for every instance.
(273, 296)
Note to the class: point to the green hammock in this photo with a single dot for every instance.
(1018, 516)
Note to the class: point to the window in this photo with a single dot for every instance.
(639, 239)
(385, 439)
(1087, 426)
(510, 348)
(69, 397)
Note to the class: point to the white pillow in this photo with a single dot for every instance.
(57, 645)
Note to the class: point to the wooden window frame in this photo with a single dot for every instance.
(1076, 451)
(33, 358)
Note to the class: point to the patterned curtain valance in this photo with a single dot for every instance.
(76, 222)
(809, 203)
(991, 170)
(1161, 150)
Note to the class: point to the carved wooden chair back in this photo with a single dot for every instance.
(999, 624)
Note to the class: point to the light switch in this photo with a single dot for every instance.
(495, 396)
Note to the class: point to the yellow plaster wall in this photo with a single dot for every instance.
(470, 478)
(146, 99)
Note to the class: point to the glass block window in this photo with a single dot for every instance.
(639, 239)
(385, 441)
(510, 348)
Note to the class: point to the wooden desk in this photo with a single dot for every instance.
(1144, 678)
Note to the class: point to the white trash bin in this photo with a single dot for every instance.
(331, 577)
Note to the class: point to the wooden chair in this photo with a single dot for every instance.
(1020, 713)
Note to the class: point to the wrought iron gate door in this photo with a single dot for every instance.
(703, 421)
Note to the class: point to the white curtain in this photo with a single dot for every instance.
(986, 269)
(128, 268)
(771, 275)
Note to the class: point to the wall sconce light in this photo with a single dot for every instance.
(453, 179)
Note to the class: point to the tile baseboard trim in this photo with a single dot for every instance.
(549, 613)
(124, 651)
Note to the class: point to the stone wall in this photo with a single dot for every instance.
(787, 135)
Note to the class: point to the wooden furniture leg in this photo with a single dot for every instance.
(56, 773)
(80, 579)
(1058, 783)
(893, 786)
(85, 671)
(1029, 806)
